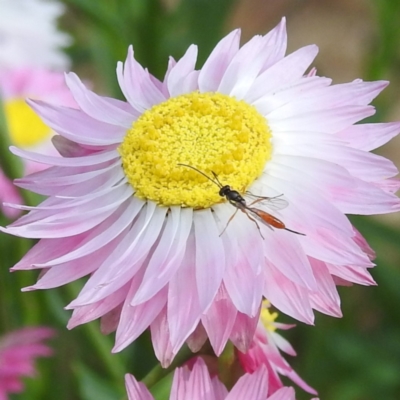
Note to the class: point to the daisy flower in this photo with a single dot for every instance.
(18, 351)
(197, 385)
(26, 129)
(29, 36)
(265, 350)
(162, 246)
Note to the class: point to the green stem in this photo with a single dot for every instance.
(10, 165)
(157, 373)
(102, 345)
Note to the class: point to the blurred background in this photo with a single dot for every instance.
(356, 357)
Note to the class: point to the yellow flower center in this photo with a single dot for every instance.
(25, 127)
(268, 318)
(212, 132)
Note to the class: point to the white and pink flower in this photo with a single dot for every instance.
(29, 36)
(160, 245)
(196, 384)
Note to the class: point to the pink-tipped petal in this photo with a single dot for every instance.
(135, 245)
(136, 390)
(160, 337)
(249, 58)
(197, 339)
(368, 137)
(219, 319)
(281, 292)
(243, 331)
(184, 308)
(81, 127)
(66, 162)
(167, 256)
(326, 299)
(85, 314)
(215, 66)
(286, 393)
(276, 41)
(136, 84)
(210, 257)
(251, 387)
(282, 73)
(183, 68)
(100, 108)
(134, 320)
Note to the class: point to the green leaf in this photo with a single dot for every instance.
(93, 386)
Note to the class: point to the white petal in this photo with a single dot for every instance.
(135, 320)
(181, 70)
(136, 84)
(369, 136)
(296, 89)
(91, 159)
(183, 300)
(276, 40)
(243, 69)
(215, 66)
(251, 387)
(288, 118)
(167, 256)
(127, 258)
(282, 73)
(210, 257)
(104, 233)
(78, 126)
(100, 108)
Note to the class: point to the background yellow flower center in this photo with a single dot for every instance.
(208, 131)
(25, 127)
(268, 318)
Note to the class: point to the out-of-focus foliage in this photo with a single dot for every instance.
(155, 29)
(353, 358)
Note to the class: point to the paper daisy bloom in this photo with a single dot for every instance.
(29, 36)
(26, 129)
(265, 350)
(198, 385)
(18, 351)
(159, 241)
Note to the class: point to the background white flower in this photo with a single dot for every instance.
(29, 35)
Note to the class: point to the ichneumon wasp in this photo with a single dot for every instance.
(237, 200)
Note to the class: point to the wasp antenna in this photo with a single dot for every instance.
(216, 178)
(217, 182)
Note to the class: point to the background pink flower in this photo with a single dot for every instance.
(265, 349)
(25, 127)
(18, 351)
(198, 385)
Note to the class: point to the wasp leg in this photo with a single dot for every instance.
(255, 221)
(258, 200)
(229, 220)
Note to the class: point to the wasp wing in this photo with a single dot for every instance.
(274, 203)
